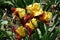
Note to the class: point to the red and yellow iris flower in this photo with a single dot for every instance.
(33, 10)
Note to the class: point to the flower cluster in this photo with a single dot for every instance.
(34, 13)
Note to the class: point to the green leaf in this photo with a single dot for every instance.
(3, 34)
(39, 33)
(44, 37)
(41, 27)
(52, 28)
(8, 2)
(54, 35)
(19, 3)
(34, 36)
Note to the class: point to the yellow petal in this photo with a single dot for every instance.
(34, 22)
(21, 12)
(37, 13)
(20, 30)
(29, 25)
(46, 16)
(49, 15)
(34, 9)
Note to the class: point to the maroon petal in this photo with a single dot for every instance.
(13, 9)
(30, 32)
(18, 37)
(26, 17)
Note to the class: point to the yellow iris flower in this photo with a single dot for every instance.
(46, 16)
(21, 12)
(20, 30)
(34, 9)
(32, 24)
